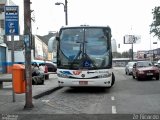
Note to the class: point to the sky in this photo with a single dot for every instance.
(123, 16)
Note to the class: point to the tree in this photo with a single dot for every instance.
(125, 54)
(155, 26)
(116, 55)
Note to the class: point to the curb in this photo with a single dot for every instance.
(47, 92)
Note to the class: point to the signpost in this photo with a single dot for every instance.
(11, 20)
(12, 28)
(131, 39)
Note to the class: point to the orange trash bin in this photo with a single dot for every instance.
(18, 74)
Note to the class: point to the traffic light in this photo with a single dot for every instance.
(118, 45)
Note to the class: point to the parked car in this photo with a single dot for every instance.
(158, 63)
(145, 70)
(51, 66)
(129, 67)
(155, 63)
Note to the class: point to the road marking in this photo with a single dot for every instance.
(49, 104)
(112, 98)
(114, 110)
(46, 101)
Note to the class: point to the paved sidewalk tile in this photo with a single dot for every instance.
(6, 96)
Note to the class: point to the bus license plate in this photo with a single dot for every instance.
(83, 82)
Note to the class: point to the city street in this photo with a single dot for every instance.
(73, 60)
(127, 96)
(128, 99)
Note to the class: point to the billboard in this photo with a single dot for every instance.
(38, 49)
(140, 54)
(11, 20)
(131, 39)
(41, 49)
(2, 7)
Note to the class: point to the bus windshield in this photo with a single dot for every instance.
(84, 48)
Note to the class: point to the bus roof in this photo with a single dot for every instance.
(86, 26)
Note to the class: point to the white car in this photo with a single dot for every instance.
(129, 67)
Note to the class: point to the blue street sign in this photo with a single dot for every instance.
(11, 20)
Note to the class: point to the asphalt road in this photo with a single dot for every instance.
(139, 99)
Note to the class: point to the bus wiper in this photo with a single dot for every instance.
(76, 58)
(86, 57)
(79, 53)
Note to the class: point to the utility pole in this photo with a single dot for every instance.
(66, 12)
(132, 52)
(27, 42)
(133, 41)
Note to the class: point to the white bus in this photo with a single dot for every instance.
(84, 56)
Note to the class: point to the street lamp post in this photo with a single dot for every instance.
(65, 10)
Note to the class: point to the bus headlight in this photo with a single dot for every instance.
(104, 75)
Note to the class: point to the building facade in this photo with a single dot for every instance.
(39, 46)
(3, 47)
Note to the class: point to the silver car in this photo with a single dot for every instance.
(128, 68)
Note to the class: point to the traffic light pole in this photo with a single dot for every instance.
(132, 52)
(27, 43)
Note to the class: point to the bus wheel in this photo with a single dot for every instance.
(113, 79)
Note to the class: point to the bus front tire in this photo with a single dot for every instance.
(113, 79)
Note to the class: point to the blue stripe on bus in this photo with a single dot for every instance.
(66, 72)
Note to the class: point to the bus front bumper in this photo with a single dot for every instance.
(100, 82)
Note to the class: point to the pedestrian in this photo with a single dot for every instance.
(37, 74)
(35, 69)
(41, 68)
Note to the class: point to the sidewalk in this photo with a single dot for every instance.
(6, 96)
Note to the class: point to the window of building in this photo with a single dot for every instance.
(1, 8)
(2, 24)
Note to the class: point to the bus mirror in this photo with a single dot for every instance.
(52, 44)
(57, 38)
